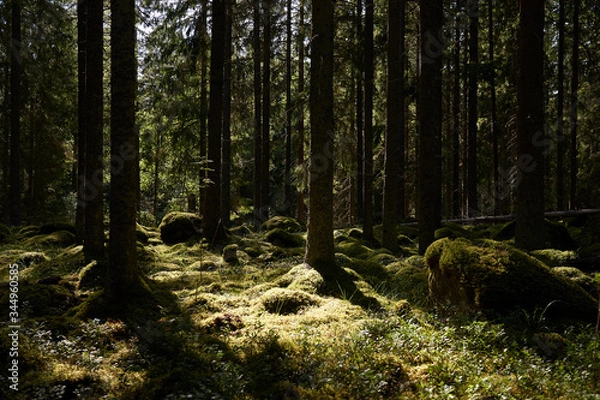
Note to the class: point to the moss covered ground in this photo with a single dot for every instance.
(268, 326)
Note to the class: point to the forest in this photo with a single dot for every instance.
(294, 199)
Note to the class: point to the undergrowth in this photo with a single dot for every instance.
(264, 328)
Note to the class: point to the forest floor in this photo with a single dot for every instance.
(258, 327)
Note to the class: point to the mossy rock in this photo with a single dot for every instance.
(28, 231)
(93, 276)
(354, 249)
(453, 231)
(557, 235)
(230, 254)
(408, 231)
(55, 239)
(31, 258)
(355, 233)
(409, 282)
(555, 258)
(287, 224)
(371, 271)
(302, 277)
(416, 261)
(405, 241)
(57, 226)
(496, 276)
(241, 230)
(287, 301)
(37, 300)
(590, 251)
(178, 227)
(575, 275)
(282, 238)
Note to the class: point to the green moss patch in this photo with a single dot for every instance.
(37, 300)
(282, 238)
(55, 239)
(287, 301)
(287, 224)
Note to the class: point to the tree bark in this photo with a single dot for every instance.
(265, 199)
(456, 194)
(472, 203)
(394, 143)
(360, 157)
(530, 125)
(319, 246)
(301, 128)
(226, 151)
(212, 217)
(257, 115)
(203, 106)
(15, 116)
(574, 108)
(123, 273)
(494, 132)
(429, 112)
(93, 243)
(368, 123)
(288, 111)
(560, 108)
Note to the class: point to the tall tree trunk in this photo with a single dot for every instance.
(473, 207)
(301, 128)
(456, 194)
(429, 112)
(93, 243)
(394, 142)
(319, 245)
(15, 116)
(226, 151)
(203, 105)
(82, 110)
(360, 157)
(368, 123)
(266, 103)
(123, 273)
(574, 106)
(4, 200)
(257, 114)
(288, 111)
(530, 122)
(212, 218)
(560, 109)
(494, 132)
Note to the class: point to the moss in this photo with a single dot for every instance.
(287, 224)
(557, 235)
(383, 258)
(28, 231)
(416, 261)
(37, 300)
(409, 282)
(353, 249)
(142, 234)
(452, 230)
(30, 357)
(371, 271)
(409, 231)
(287, 301)
(31, 258)
(92, 276)
(282, 238)
(553, 257)
(55, 239)
(355, 233)
(496, 276)
(177, 227)
(575, 275)
(5, 234)
(230, 254)
(241, 230)
(302, 277)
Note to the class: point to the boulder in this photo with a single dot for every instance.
(494, 276)
(287, 224)
(177, 227)
(282, 238)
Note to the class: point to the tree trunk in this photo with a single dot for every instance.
(15, 116)
(301, 134)
(93, 243)
(574, 106)
(203, 105)
(212, 219)
(429, 112)
(257, 115)
(226, 151)
(368, 123)
(319, 245)
(472, 203)
(360, 157)
(494, 132)
(82, 109)
(4, 200)
(394, 143)
(123, 274)
(530, 123)
(560, 107)
(456, 194)
(288, 112)
(266, 122)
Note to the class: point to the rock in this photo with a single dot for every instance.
(282, 238)
(495, 276)
(177, 227)
(230, 254)
(576, 276)
(287, 224)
